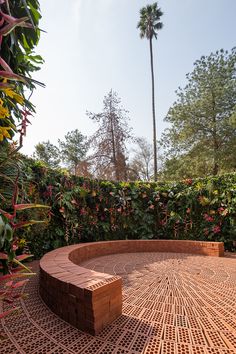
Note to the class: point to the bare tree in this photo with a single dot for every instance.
(109, 157)
(141, 165)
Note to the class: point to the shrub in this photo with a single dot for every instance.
(84, 210)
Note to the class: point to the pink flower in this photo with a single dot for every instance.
(83, 211)
(208, 218)
(222, 211)
(216, 229)
(14, 247)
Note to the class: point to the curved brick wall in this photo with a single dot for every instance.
(86, 251)
(90, 300)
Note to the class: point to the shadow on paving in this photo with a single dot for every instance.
(172, 303)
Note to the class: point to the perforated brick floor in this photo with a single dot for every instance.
(173, 303)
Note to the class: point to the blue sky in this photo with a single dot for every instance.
(92, 46)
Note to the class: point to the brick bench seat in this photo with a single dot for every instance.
(90, 300)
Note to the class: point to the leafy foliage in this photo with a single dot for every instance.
(13, 201)
(12, 191)
(11, 265)
(149, 23)
(19, 34)
(84, 210)
(202, 138)
(47, 153)
(74, 149)
(17, 61)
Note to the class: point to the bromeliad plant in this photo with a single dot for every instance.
(8, 259)
(11, 265)
(19, 34)
(9, 242)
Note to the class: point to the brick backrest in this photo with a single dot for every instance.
(85, 251)
(90, 300)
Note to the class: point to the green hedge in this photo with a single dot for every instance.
(90, 210)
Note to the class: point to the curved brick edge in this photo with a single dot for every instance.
(91, 300)
(86, 299)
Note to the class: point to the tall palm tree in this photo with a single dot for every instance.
(149, 24)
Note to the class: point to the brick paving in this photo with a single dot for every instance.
(172, 304)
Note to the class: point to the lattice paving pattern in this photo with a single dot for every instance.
(172, 304)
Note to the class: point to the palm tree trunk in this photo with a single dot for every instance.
(153, 114)
(215, 150)
(215, 169)
(113, 145)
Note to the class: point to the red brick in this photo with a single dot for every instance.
(89, 299)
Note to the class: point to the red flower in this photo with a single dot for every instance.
(208, 218)
(188, 181)
(50, 214)
(49, 190)
(216, 229)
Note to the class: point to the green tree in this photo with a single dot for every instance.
(109, 140)
(203, 132)
(48, 153)
(149, 25)
(74, 149)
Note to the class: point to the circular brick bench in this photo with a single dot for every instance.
(90, 300)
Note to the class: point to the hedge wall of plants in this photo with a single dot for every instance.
(84, 210)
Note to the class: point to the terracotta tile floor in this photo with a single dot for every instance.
(173, 303)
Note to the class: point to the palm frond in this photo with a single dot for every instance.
(149, 23)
